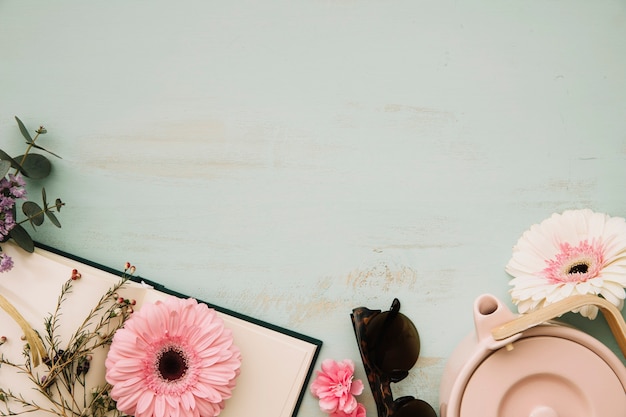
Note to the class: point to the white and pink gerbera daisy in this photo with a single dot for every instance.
(172, 358)
(576, 252)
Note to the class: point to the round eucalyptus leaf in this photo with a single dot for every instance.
(22, 238)
(5, 166)
(53, 218)
(5, 157)
(36, 166)
(34, 212)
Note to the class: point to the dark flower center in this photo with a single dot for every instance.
(172, 364)
(580, 268)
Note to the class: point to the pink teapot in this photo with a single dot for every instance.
(529, 366)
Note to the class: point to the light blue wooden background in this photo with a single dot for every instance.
(292, 160)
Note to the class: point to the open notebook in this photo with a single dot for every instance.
(276, 363)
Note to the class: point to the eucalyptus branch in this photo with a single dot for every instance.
(48, 208)
(29, 165)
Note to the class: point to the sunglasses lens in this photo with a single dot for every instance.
(415, 408)
(394, 343)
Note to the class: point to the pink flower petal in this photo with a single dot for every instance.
(145, 403)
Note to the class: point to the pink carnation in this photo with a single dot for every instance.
(335, 387)
(359, 411)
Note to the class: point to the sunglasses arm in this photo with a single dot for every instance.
(380, 386)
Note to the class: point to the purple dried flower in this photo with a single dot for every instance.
(11, 188)
(6, 202)
(18, 192)
(6, 263)
(17, 180)
(7, 222)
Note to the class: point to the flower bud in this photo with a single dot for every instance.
(83, 367)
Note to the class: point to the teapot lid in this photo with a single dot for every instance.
(544, 376)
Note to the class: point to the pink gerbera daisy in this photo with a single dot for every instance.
(577, 252)
(172, 358)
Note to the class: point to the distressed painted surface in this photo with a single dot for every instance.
(293, 160)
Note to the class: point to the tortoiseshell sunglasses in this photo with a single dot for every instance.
(389, 345)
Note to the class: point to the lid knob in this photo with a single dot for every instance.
(543, 411)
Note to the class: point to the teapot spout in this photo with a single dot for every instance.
(489, 313)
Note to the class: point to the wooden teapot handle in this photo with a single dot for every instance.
(524, 322)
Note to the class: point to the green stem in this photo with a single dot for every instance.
(28, 148)
(52, 208)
